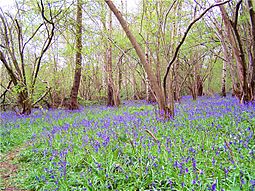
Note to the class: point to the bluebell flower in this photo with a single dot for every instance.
(214, 186)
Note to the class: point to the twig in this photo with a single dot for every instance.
(151, 134)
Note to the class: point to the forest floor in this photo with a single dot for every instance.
(9, 168)
(209, 145)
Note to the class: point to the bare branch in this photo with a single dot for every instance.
(6, 90)
(236, 13)
(166, 15)
(40, 99)
(10, 71)
(43, 13)
(33, 35)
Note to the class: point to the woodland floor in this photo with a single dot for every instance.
(209, 145)
(9, 168)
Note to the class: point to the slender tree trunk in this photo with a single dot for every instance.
(110, 96)
(135, 97)
(119, 74)
(113, 94)
(200, 87)
(149, 94)
(223, 79)
(77, 74)
(252, 51)
(195, 74)
(158, 73)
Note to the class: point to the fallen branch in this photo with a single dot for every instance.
(151, 134)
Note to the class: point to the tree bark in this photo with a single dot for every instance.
(150, 98)
(252, 52)
(223, 79)
(78, 56)
(112, 92)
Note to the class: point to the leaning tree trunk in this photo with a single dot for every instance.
(77, 74)
(164, 110)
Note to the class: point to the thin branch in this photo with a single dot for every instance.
(43, 13)
(10, 71)
(151, 134)
(141, 22)
(166, 15)
(39, 99)
(33, 35)
(6, 90)
(122, 55)
(236, 13)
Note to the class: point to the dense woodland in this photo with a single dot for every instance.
(96, 95)
(65, 53)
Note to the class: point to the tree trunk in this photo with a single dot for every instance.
(112, 93)
(25, 103)
(110, 96)
(158, 73)
(223, 79)
(119, 74)
(77, 74)
(135, 97)
(164, 110)
(199, 85)
(194, 79)
(252, 51)
(150, 98)
(176, 81)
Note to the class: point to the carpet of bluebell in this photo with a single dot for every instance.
(209, 145)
